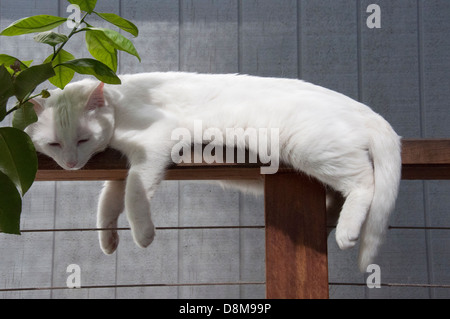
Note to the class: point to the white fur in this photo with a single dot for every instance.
(339, 141)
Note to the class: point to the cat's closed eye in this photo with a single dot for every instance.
(54, 144)
(83, 141)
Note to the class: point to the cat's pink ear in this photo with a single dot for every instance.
(96, 99)
(38, 104)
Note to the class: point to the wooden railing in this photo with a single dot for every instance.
(295, 217)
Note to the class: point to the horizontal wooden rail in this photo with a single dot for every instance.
(295, 216)
(426, 159)
(422, 159)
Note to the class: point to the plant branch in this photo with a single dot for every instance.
(20, 104)
(73, 32)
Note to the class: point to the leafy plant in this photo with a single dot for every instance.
(19, 80)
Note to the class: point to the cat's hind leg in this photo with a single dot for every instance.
(110, 206)
(346, 168)
(358, 197)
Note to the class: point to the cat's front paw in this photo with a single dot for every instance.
(143, 236)
(346, 237)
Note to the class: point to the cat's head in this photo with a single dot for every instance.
(73, 124)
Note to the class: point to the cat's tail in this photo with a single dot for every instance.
(385, 151)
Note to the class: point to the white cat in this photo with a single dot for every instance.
(339, 141)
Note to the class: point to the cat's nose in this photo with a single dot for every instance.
(71, 164)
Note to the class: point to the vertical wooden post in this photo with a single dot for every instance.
(296, 237)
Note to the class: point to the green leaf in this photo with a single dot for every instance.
(93, 67)
(100, 48)
(26, 63)
(45, 94)
(63, 75)
(120, 22)
(6, 90)
(18, 159)
(6, 83)
(24, 116)
(3, 109)
(117, 40)
(33, 24)
(50, 38)
(85, 5)
(10, 206)
(8, 60)
(30, 78)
